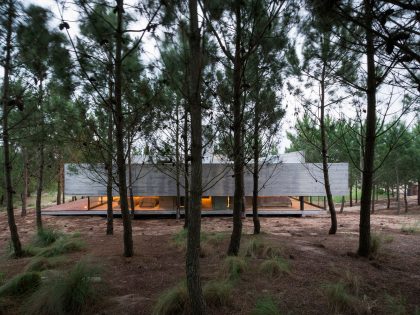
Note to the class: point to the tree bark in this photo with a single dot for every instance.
(17, 247)
(41, 165)
(186, 170)
(110, 150)
(343, 200)
(372, 210)
(119, 136)
(324, 150)
(418, 192)
(130, 177)
(355, 193)
(388, 202)
(177, 164)
(405, 199)
(351, 195)
(256, 149)
(58, 197)
(24, 195)
(369, 151)
(194, 215)
(238, 165)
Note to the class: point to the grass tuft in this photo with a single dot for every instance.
(217, 293)
(396, 305)
(413, 228)
(46, 237)
(63, 245)
(173, 302)
(266, 306)
(41, 263)
(68, 293)
(255, 248)
(275, 267)
(20, 284)
(234, 266)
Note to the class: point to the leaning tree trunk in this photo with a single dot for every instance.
(238, 166)
(119, 136)
(24, 195)
(324, 150)
(41, 165)
(369, 151)
(186, 170)
(17, 247)
(194, 216)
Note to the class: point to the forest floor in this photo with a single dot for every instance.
(389, 283)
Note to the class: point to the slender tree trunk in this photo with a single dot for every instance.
(177, 164)
(398, 192)
(186, 170)
(372, 210)
(405, 199)
(59, 183)
(256, 149)
(388, 203)
(324, 150)
(351, 195)
(41, 165)
(24, 195)
(119, 136)
(355, 197)
(238, 166)
(194, 215)
(17, 247)
(343, 200)
(110, 144)
(130, 177)
(369, 151)
(63, 185)
(418, 192)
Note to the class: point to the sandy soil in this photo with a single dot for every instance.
(316, 258)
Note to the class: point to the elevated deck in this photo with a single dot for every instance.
(80, 208)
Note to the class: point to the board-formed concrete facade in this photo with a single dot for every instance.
(283, 178)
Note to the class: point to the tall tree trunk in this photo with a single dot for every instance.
(324, 150)
(418, 192)
(24, 195)
(372, 210)
(388, 202)
(398, 192)
(238, 166)
(351, 195)
(41, 165)
(63, 194)
(177, 164)
(194, 215)
(369, 151)
(256, 149)
(405, 199)
(343, 200)
(130, 177)
(58, 197)
(186, 170)
(110, 144)
(119, 136)
(17, 247)
(355, 197)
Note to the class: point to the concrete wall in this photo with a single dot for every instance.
(283, 179)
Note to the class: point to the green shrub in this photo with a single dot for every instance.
(234, 266)
(217, 293)
(255, 248)
(274, 267)
(180, 238)
(173, 302)
(212, 238)
(42, 263)
(46, 237)
(266, 306)
(21, 284)
(61, 246)
(65, 293)
(338, 297)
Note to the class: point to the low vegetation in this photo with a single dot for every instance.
(376, 243)
(172, 302)
(217, 293)
(21, 284)
(234, 266)
(274, 267)
(68, 292)
(413, 228)
(266, 305)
